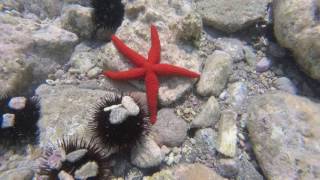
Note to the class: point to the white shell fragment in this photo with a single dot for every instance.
(90, 169)
(109, 108)
(118, 115)
(17, 103)
(76, 155)
(64, 176)
(130, 105)
(8, 120)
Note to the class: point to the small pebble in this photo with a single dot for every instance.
(130, 105)
(50, 82)
(106, 109)
(118, 115)
(17, 103)
(228, 167)
(164, 150)
(90, 169)
(64, 176)
(263, 65)
(76, 155)
(7, 120)
(285, 84)
(56, 158)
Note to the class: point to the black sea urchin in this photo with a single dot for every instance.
(72, 156)
(107, 13)
(122, 135)
(24, 114)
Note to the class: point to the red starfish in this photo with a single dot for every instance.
(147, 68)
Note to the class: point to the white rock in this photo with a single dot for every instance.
(76, 155)
(227, 136)
(8, 120)
(130, 105)
(17, 103)
(118, 115)
(90, 169)
(64, 176)
(146, 154)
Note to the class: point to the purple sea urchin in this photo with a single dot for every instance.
(107, 13)
(71, 156)
(24, 116)
(121, 135)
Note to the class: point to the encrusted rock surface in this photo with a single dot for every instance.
(284, 130)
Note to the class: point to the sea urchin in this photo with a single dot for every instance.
(128, 130)
(74, 158)
(18, 119)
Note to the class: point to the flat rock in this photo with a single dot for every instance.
(55, 43)
(78, 19)
(232, 46)
(284, 130)
(232, 15)
(227, 136)
(146, 154)
(90, 169)
(296, 27)
(169, 130)
(65, 111)
(209, 114)
(135, 32)
(215, 75)
(238, 93)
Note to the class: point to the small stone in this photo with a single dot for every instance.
(76, 155)
(169, 130)
(17, 103)
(130, 105)
(7, 120)
(250, 56)
(285, 84)
(90, 169)
(17, 174)
(164, 150)
(263, 65)
(146, 154)
(215, 75)
(209, 114)
(118, 115)
(64, 176)
(276, 51)
(238, 92)
(206, 141)
(234, 47)
(227, 137)
(109, 108)
(228, 168)
(56, 158)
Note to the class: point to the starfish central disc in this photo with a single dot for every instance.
(149, 69)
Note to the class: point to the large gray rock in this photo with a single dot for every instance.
(231, 15)
(284, 130)
(146, 154)
(187, 172)
(78, 19)
(169, 130)
(65, 111)
(135, 32)
(209, 114)
(215, 75)
(55, 43)
(296, 27)
(15, 39)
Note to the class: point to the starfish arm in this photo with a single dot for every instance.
(154, 52)
(124, 75)
(134, 57)
(168, 69)
(152, 87)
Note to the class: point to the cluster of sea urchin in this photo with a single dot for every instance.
(107, 13)
(115, 130)
(18, 119)
(74, 159)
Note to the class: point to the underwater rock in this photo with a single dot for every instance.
(209, 114)
(285, 84)
(247, 171)
(296, 27)
(190, 28)
(130, 105)
(227, 136)
(17, 174)
(90, 169)
(284, 130)
(228, 167)
(54, 42)
(78, 19)
(263, 65)
(135, 32)
(232, 46)
(169, 130)
(76, 155)
(146, 154)
(64, 111)
(238, 93)
(232, 15)
(118, 115)
(205, 142)
(215, 75)
(17, 103)
(195, 171)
